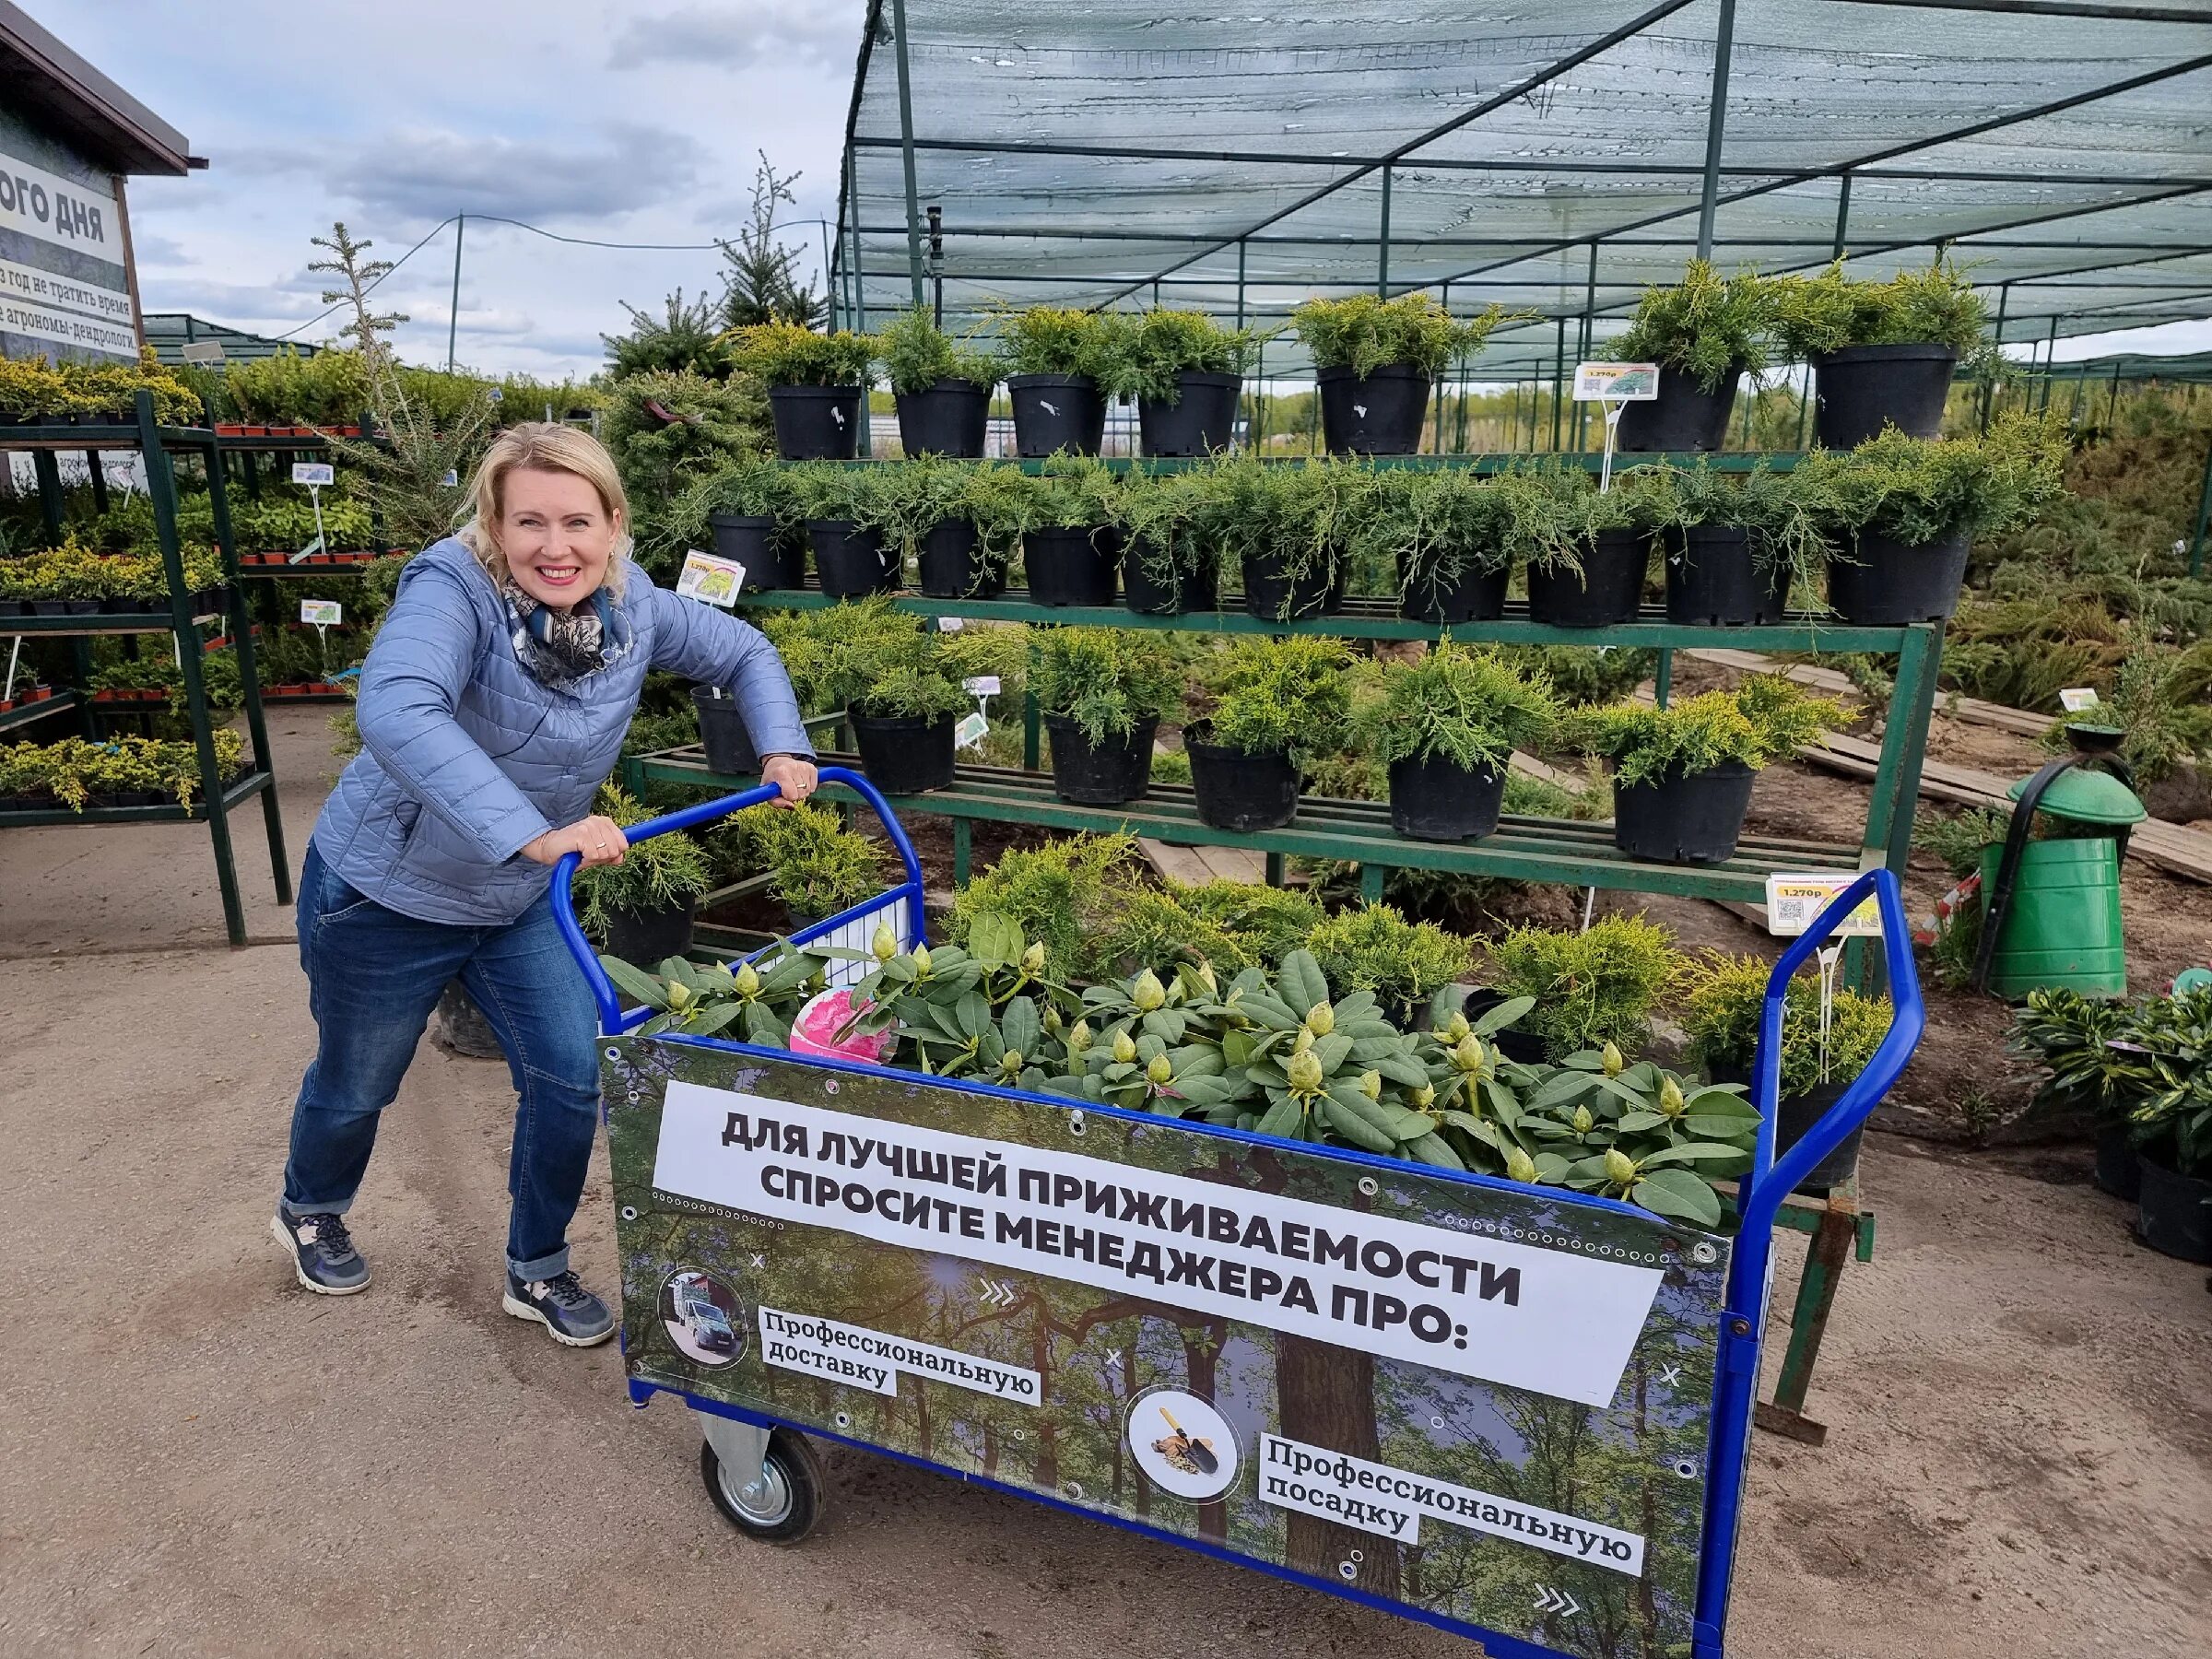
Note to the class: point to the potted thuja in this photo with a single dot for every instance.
(1682, 775)
(941, 386)
(1269, 704)
(1446, 724)
(641, 908)
(1376, 360)
(1705, 334)
(1821, 1055)
(1882, 353)
(814, 383)
(1102, 691)
(1186, 371)
(1060, 366)
(1902, 515)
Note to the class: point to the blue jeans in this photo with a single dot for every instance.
(373, 976)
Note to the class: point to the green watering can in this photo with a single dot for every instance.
(2051, 909)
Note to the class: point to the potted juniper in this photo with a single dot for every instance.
(1376, 358)
(641, 909)
(750, 510)
(1270, 704)
(1902, 513)
(1585, 988)
(1059, 365)
(1705, 334)
(1186, 371)
(1441, 537)
(846, 509)
(1882, 353)
(942, 386)
(1734, 543)
(1171, 565)
(1587, 549)
(1821, 1056)
(1102, 691)
(1682, 774)
(1069, 542)
(899, 685)
(1288, 527)
(815, 866)
(936, 513)
(1445, 724)
(814, 381)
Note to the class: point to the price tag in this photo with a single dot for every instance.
(202, 351)
(322, 612)
(1615, 383)
(710, 580)
(1794, 902)
(981, 684)
(2075, 699)
(972, 730)
(317, 472)
(951, 624)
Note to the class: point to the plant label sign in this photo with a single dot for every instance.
(972, 730)
(315, 474)
(1615, 383)
(981, 684)
(1489, 1406)
(2076, 699)
(322, 612)
(710, 580)
(1794, 902)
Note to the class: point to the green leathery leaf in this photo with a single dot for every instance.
(1354, 1127)
(634, 982)
(1281, 1118)
(1679, 1194)
(1492, 1019)
(1302, 983)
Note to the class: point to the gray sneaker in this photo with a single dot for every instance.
(573, 1315)
(323, 1258)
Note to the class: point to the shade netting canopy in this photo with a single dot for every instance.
(1239, 159)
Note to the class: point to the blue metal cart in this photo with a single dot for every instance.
(948, 1309)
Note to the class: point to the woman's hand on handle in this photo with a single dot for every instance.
(791, 775)
(597, 841)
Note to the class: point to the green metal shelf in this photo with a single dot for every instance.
(1524, 849)
(1378, 619)
(244, 788)
(1728, 461)
(28, 713)
(301, 571)
(104, 437)
(99, 622)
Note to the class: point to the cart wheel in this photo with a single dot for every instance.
(783, 1506)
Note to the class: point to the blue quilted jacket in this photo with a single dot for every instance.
(467, 759)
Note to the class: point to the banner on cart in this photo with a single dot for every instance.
(1490, 1403)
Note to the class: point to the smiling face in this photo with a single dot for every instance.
(556, 534)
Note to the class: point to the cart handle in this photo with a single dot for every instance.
(1760, 1196)
(690, 817)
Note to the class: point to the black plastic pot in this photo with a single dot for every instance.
(751, 541)
(1275, 597)
(1056, 412)
(2119, 1171)
(1070, 567)
(1237, 791)
(816, 423)
(903, 755)
(1886, 583)
(947, 419)
(1103, 775)
(1795, 1115)
(11, 607)
(1378, 414)
(950, 568)
(1608, 589)
(1473, 596)
(1684, 817)
(2175, 1216)
(1512, 1044)
(721, 732)
(650, 936)
(1196, 590)
(850, 562)
(1711, 578)
(1682, 418)
(1199, 422)
(1441, 801)
(1859, 390)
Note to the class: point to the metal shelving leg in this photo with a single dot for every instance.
(280, 871)
(1896, 789)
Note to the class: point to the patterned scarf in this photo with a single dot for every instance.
(559, 648)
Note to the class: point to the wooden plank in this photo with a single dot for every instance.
(1971, 710)
(1178, 864)
(1235, 863)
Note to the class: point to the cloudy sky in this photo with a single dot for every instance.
(631, 124)
(634, 123)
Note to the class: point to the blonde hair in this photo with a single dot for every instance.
(543, 446)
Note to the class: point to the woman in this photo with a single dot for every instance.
(492, 706)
